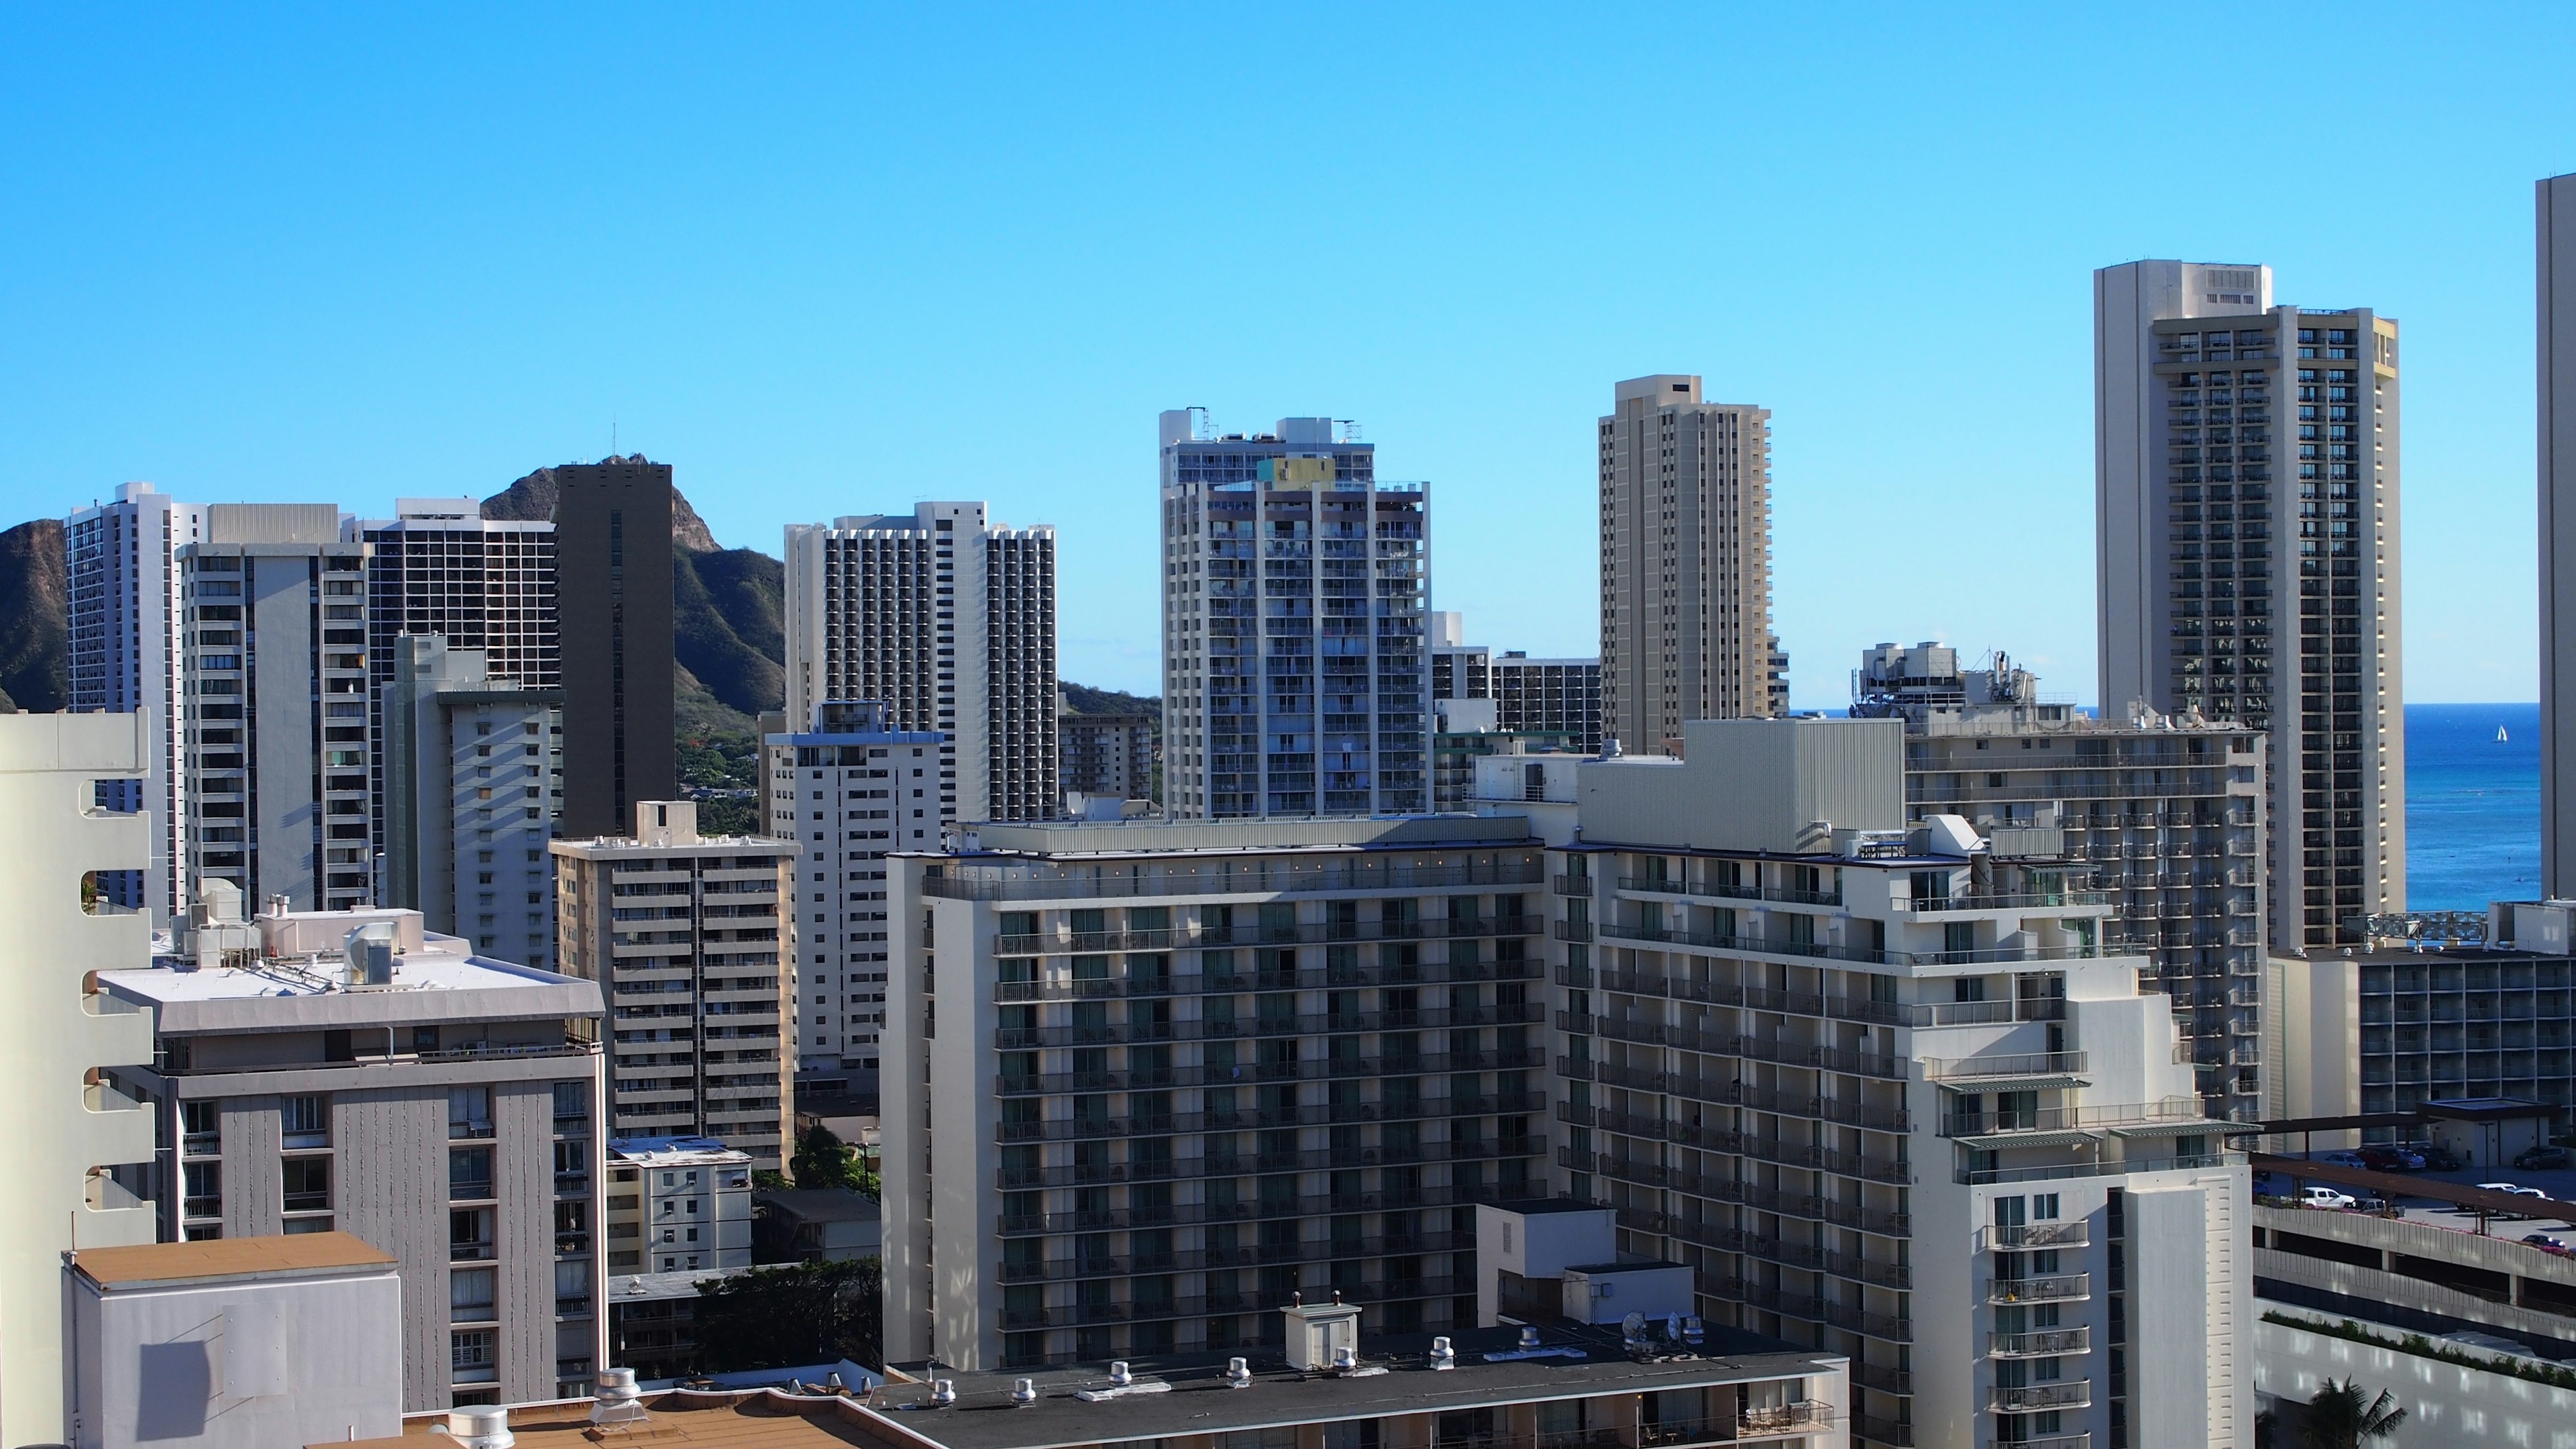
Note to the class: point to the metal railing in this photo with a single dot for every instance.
(2071, 1233)
(1250, 881)
(2022, 1064)
(2072, 1394)
(2055, 1288)
(2042, 1343)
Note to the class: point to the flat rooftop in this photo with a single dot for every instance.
(443, 980)
(1201, 1402)
(278, 1256)
(1157, 838)
(675, 1151)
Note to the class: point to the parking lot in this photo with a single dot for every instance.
(2558, 1183)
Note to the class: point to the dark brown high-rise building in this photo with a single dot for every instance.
(613, 587)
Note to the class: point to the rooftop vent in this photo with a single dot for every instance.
(616, 1400)
(480, 1428)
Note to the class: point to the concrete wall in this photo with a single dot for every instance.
(54, 1131)
(242, 1364)
(1752, 785)
(2192, 1283)
(2445, 1403)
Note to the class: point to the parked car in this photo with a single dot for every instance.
(2547, 1244)
(2340, 1159)
(2440, 1159)
(2516, 1190)
(2326, 1197)
(2542, 1156)
(2371, 1204)
(2391, 1159)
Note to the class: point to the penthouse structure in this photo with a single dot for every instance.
(681, 933)
(473, 787)
(1200, 1068)
(1888, 1090)
(1295, 582)
(2201, 557)
(350, 1071)
(844, 794)
(275, 660)
(948, 621)
(2164, 818)
(125, 657)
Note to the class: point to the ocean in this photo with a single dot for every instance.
(2472, 805)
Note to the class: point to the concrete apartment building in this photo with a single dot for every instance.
(473, 785)
(844, 794)
(124, 648)
(438, 568)
(1685, 563)
(948, 620)
(2217, 601)
(681, 932)
(612, 538)
(1889, 1091)
(76, 1145)
(1530, 696)
(1200, 1068)
(349, 1071)
(274, 659)
(2555, 208)
(1106, 756)
(678, 1205)
(1295, 582)
(2163, 818)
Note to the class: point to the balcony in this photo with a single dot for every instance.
(2023, 1064)
(2037, 1398)
(1246, 882)
(1804, 1417)
(2044, 1343)
(2066, 1119)
(1311, 979)
(2037, 901)
(2057, 1288)
(2072, 1233)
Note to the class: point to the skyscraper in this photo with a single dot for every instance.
(124, 563)
(2557, 249)
(2203, 566)
(1685, 561)
(1295, 667)
(437, 567)
(613, 573)
(275, 653)
(949, 620)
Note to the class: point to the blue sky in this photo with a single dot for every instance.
(835, 260)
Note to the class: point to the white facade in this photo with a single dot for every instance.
(842, 792)
(677, 1205)
(682, 933)
(1888, 1090)
(473, 790)
(275, 654)
(60, 1136)
(449, 1113)
(260, 1343)
(1685, 562)
(124, 654)
(949, 621)
(1295, 590)
(2246, 523)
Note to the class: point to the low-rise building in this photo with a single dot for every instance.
(682, 933)
(678, 1205)
(350, 1071)
(237, 1343)
(817, 1225)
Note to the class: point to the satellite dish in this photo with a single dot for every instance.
(1633, 1327)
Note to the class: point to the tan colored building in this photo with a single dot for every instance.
(1685, 562)
(681, 931)
(2246, 497)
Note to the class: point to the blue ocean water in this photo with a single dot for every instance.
(2472, 805)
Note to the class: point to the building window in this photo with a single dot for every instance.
(304, 1122)
(202, 1190)
(471, 1295)
(469, 1112)
(201, 1128)
(469, 1173)
(471, 1356)
(308, 1184)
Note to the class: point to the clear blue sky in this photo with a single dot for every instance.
(834, 260)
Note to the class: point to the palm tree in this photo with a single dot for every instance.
(2340, 1417)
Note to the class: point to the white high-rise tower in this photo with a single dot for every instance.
(123, 560)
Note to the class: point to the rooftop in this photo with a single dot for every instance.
(441, 979)
(283, 1255)
(1161, 838)
(676, 1151)
(822, 1204)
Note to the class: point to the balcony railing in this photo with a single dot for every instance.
(2061, 1119)
(2074, 1394)
(1426, 973)
(2056, 1288)
(2071, 1233)
(2023, 1064)
(2043, 1343)
(1260, 882)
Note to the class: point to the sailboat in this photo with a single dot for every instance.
(2499, 734)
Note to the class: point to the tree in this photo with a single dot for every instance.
(2340, 1416)
(792, 1315)
(824, 1160)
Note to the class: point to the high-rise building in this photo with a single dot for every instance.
(1531, 696)
(2162, 820)
(438, 568)
(1800, 1042)
(1106, 756)
(948, 620)
(1201, 1067)
(613, 582)
(125, 659)
(1295, 582)
(1685, 562)
(472, 787)
(351, 1071)
(275, 659)
(78, 1152)
(843, 793)
(681, 933)
(2556, 209)
(2217, 601)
